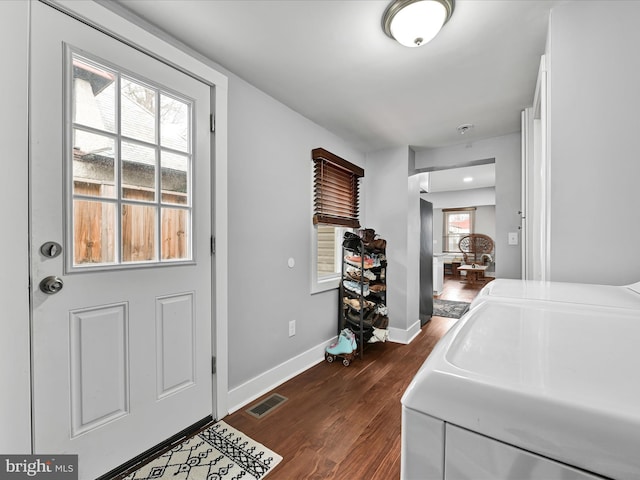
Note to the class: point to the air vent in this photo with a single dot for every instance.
(267, 405)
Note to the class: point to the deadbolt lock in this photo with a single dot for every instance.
(51, 249)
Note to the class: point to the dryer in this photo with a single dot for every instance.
(527, 390)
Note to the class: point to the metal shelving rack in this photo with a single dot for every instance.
(350, 317)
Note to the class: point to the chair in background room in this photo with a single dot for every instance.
(476, 250)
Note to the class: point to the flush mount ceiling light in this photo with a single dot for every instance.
(415, 22)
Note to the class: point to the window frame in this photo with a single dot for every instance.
(330, 282)
(327, 282)
(119, 200)
(445, 222)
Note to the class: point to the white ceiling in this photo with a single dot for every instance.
(331, 62)
(481, 176)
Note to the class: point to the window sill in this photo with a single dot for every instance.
(320, 286)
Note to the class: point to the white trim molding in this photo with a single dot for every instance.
(253, 389)
(15, 366)
(256, 387)
(405, 337)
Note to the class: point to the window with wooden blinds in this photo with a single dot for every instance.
(335, 188)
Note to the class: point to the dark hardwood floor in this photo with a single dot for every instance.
(344, 422)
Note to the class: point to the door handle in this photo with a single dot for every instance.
(51, 285)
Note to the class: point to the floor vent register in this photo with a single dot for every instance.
(267, 405)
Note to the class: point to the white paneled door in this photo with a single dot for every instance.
(120, 257)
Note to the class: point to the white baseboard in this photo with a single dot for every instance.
(256, 387)
(404, 336)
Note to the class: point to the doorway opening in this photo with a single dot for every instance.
(463, 202)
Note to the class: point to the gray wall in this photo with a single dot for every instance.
(486, 220)
(393, 209)
(594, 152)
(506, 152)
(270, 215)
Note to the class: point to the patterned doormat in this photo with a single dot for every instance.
(449, 308)
(218, 453)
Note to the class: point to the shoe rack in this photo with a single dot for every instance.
(363, 289)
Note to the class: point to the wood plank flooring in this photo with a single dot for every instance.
(344, 422)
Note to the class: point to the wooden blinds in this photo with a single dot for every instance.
(335, 189)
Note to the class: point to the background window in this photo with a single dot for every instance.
(456, 222)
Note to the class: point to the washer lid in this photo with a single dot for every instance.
(557, 379)
(626, 296)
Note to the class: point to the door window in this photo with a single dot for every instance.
(130, 169)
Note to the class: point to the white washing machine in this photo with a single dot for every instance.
(625, 296)
(527, 390)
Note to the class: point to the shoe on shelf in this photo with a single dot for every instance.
(379, 321)
(352, 242)
(357, 274)
(357, 260)
(382, 309)
(377, 245)
(357, 304)
(379, 287)
(356, 287)
(367, 234)
(379, 335)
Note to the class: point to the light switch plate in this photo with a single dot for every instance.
(292, 328)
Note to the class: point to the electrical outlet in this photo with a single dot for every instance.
(292, 328)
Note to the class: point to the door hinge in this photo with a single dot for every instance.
(213, 245)
(213, 365)
(212, 123)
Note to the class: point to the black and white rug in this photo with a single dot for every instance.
(449, 308)
(218, 453)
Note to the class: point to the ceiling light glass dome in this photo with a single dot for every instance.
(415, 22)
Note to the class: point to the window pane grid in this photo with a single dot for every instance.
(78, 127)
(127, 188)
(457, 223)
(94, 84)
(175, 124)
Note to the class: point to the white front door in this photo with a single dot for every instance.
(120, 191)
